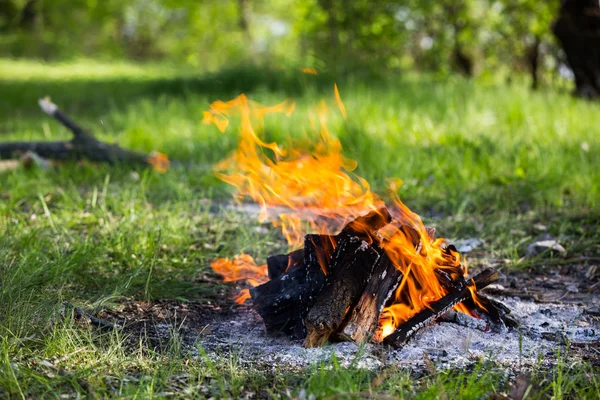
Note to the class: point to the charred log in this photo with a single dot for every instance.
(281, 263)
(459, 294)
(82, 146)
(286, 299)
(365, 226)
(492, 311)
(351, 267)
(365, 316)
(384, 280)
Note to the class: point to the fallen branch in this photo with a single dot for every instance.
(82, 146)
(80, 314)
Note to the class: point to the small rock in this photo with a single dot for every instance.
(572, 289)
(134, 176)
(543, 246)
(591, 272)
(540, 227)
(467, 245)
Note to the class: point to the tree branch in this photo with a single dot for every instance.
(82, 146)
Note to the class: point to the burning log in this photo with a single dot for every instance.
(383, 283)
(460, 293)
(353, 262)
(286, 299)
(338, 285)
(365, 316)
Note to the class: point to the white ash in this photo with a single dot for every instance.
(447, 345)
(363, 245)
(467, 245)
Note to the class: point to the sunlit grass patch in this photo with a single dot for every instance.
(476, 160)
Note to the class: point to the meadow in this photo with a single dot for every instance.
(477, 159)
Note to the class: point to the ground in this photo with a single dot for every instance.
(478, 159)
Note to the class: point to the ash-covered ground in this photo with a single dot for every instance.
(544, 330)
(547, 331)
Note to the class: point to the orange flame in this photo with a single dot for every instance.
(240, 268)
(311, 71)
(338, 100)
(159, 161)
(313, 188)
(306, 184)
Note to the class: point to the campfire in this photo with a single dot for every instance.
(362, 271)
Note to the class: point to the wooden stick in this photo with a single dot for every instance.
(82, 146)
(460, 293)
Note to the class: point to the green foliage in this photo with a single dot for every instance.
(361, 37)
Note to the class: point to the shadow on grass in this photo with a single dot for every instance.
(91, 95)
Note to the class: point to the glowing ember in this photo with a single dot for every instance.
(317, 191)
(159, 161)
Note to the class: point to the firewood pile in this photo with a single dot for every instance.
(337, 286)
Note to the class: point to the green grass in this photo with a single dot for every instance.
(476, 160)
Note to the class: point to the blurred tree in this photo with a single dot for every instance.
(358, 37)
(520, 31)
(9, 12)
(578, 29)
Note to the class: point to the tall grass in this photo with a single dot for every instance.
(489, 159)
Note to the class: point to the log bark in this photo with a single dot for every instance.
(82, 146)
(285, 300)
(277, 265)
(422, 319)
(366, 226)
(351, 267)
(364, 318)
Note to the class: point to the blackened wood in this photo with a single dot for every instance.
(82, 146)
(351, 267)
(384, 280)
(318, 249)
(460, 293)
(287, 298)
(284, 301)
(366, 225)
(493, 311)
(364, 317)
(278, 264)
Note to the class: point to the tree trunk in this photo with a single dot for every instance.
(244, 19)
(578, 31)
(30, 17)
(533, 58)
(329, 6)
